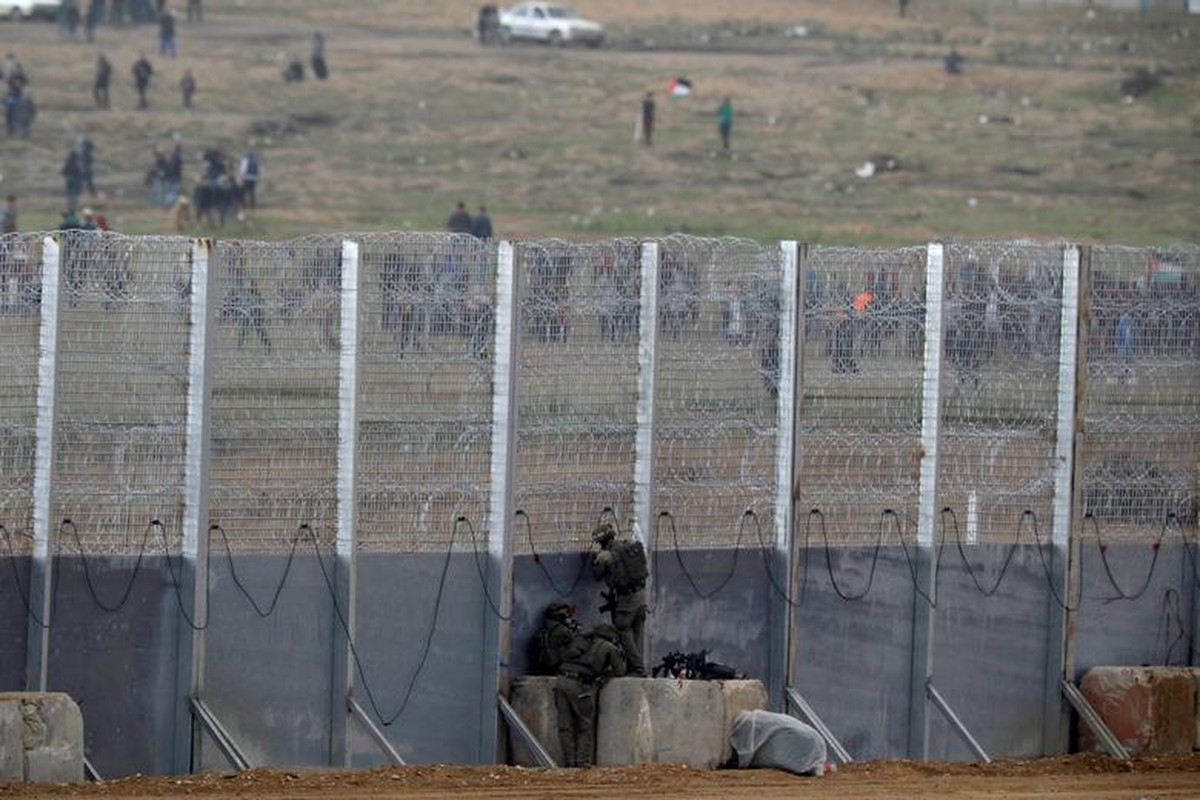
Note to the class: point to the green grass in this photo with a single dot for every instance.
(416, 117)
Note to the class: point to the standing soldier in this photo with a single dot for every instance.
(594, 658)
(622, 566)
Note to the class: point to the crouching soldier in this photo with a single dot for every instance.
(597, 658)
(622, 565)
(556, 639)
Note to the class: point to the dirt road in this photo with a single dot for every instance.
(1084, 777)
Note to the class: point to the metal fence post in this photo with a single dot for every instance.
(497, 643)
(193, 593)
(1072, 338)
(791, 350)
(925, 584)
(347, 562)
(41, 586)
(643, 467)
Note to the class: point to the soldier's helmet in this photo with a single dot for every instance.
(559, 609)
(606, 631)
(603, 533)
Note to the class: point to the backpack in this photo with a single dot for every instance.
(251, 167)
(554, 643)
(628, 567)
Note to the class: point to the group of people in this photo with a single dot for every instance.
(71, 15)
(583, 661)
(142, 72)
(649, 111)
(294, 71)
(461, 221)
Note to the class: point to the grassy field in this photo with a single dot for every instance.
(417, 116)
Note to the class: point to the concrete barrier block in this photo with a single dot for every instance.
(532, 697)
(47, 737)
(646, 720)
(12, 753)
(739, 696)
(1151, 710)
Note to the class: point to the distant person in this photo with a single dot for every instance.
(87, 156)
(166, 32)
(195, 11)
(25, 112)
(319, 67)
(71, 221)
(13, 73)
(249, 174)
(294, 71)
(8, 215)
(187, 85)
(481, 224)
(103, 79)
(72, 178)
(647, 128)
(13, 97)
(487, 23)
(903, 7)
(93, 17)
(173, 183)
(460, 220)
(142, 71)
(953, 62)
(725, 121)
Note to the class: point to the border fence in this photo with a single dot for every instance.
(302, 503)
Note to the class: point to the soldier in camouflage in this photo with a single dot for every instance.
(556, 638)
(622, 566)
(595, 658)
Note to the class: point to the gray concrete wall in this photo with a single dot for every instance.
(990, 652)
(397, 609)
(851, 659)
(14, 622)
(119, 666)
(269, 680)
(1114, 632)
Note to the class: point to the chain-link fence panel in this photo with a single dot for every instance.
(427, 327)
(121, 392)
(860, 389)
(1002, 317)
(1141, 397)
(577, 390)
(20, 321)
(858, 435)
(274, 377)
(716, 391)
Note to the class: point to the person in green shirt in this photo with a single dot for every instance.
(725, 121)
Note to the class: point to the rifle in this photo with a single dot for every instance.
(610, 601)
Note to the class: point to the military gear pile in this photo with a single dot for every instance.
(694, 666)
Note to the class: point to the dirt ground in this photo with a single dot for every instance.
(1080, 777)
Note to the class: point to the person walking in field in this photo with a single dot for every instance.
(166, 32)
(103, 79)
(725, 121)
(142, 71)
(647, 127)
(187, 85)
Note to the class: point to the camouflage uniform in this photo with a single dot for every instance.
(627, 597)
(575, 690)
